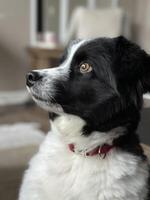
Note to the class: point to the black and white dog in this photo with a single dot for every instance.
(92, 151)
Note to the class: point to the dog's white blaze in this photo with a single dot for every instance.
(57, 173)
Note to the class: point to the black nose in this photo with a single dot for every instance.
(32, 77)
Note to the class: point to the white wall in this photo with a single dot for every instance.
(14, 38)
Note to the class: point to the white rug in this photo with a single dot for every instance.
(14, 97)
(20, 134)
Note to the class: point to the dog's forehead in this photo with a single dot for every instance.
(80, 44)
(72, 48)
(88, 45)
(75, 45)
(73, 42)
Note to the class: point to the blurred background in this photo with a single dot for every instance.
(33, 34)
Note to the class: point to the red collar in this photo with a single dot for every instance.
(101, 150)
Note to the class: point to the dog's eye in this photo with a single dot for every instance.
(85, 68)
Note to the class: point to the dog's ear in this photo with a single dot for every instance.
(131, 63)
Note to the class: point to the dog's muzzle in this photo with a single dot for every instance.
(32, 77)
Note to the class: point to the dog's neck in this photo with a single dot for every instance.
(70, 130)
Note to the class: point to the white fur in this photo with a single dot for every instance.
(57, 173)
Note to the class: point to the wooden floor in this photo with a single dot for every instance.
(24, 113)
(10, 178)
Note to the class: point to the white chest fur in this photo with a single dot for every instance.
(56, 173)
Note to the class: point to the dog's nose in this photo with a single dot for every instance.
(32, 77)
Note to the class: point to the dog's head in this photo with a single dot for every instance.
(102, 81)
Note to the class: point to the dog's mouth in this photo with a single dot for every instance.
(38, 98)
(48, 104)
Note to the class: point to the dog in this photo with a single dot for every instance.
(94, 98)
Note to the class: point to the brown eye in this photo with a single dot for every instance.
(85, 68)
